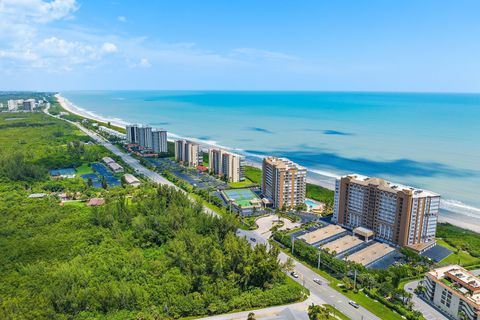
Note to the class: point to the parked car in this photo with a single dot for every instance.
(253, 239)
(294, 274)
(353, 304)
(317, 280)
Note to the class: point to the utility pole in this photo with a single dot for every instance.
(355, 280)
(319, 260)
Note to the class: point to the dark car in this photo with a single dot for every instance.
(294, 274)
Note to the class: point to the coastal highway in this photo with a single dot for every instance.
(319, 292)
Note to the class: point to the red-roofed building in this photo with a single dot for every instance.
(202, 168)
(96, 202)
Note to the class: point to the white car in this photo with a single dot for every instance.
(317, 281)
(294, 274)
(353, 304)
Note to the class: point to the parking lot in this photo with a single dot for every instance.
(191, 175)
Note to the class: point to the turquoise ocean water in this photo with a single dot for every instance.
(431, 141)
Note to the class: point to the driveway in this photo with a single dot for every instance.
(266, 223)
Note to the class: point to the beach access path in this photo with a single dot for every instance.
(321, 293)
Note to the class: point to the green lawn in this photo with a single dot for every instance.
(84, 169)
(74, 203)
(462, 258)
(253, 174)
(336, 312)
(242, 184)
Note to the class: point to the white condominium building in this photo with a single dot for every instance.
(398, 214)
(145, 137)
(227, 164)
(188, 153)
(159, 141)
(132, 133)
(284, 182)
(455, 291)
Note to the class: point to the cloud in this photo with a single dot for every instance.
(144, 63)
(109, 47)
(37, 10)
(122, 19)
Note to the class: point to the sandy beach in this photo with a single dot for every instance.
(326, 181)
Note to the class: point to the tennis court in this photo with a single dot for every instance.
(242, 197)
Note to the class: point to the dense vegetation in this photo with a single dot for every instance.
(149, 253)
(464, 243)
(321, 194)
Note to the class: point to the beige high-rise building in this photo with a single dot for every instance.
(230, 165)
(188, 153)
(398, 214)
(284, 182)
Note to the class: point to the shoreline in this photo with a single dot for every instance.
(312, 177)
(325, 181)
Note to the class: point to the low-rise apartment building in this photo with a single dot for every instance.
(227, 164)
(284, 182)
(454, 290)
(397, 214)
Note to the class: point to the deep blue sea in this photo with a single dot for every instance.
(431, 141)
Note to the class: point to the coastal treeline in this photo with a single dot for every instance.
(149, 253)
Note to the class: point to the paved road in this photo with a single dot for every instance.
(267, 312)
(318, 292)
(323, 291)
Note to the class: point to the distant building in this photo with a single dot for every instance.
(188, 153)
(108, 160)
(12, 105)
(284, 182)
(131, 180)
(159, 141)
(115, 167)
(398, 214)
(145, 137)
(37, 195)
(112, 132)
(29, 105)
(230, 165)
(454, 290)
(132, 133)
(96, 202)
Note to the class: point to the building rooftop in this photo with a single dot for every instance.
(390, 186)
(342, 244)
(96, 202)
(283, 163)
(370, 254)
(364, 232)
(37, 195)
(460, 281)
(322, 234)
(115, 166)
(107, 160)
(131, 179)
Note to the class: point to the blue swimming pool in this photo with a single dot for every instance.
(311, 203)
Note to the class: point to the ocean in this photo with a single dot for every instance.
(430, 141)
